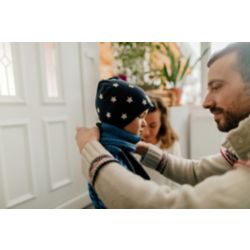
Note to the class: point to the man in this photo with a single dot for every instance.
(218, 181)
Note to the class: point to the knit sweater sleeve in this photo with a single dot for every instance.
(90, 152)
(185, 171)
(119, 188)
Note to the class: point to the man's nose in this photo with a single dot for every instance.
(208, 101)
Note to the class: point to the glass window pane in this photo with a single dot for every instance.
(192, 83)
(7, 79)
(50, 50)
(217, 46)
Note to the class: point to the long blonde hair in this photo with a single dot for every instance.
(166, 135)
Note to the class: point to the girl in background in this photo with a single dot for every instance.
(158, 130)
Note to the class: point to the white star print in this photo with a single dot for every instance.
(113, 99)
(144, 102)
(129, 99)
(148, 99)
(115, 85)
(131, 86)
(98, 110)
(101, 96)
(108, 114)
(124, 116)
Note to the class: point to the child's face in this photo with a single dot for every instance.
(137, 125)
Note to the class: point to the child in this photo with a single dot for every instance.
(121, 108)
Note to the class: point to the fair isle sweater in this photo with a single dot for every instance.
(211, 182)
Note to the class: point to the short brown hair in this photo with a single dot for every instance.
(243, 62)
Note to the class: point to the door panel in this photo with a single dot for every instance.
(39, 161)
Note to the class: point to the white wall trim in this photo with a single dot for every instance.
(204, 68)
(80, 201)
(89, 61)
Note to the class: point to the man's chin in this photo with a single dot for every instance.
(221, 126)
(226, 127)
(229, 121)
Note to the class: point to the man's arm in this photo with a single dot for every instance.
(178, 169)
(181, 170)
(119, 188)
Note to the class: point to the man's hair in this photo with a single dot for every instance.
(243, 60)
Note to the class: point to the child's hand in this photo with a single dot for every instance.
(85, 135)
(141, 148)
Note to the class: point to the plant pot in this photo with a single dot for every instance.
(171, 97)
(177, 92)
(166, 95)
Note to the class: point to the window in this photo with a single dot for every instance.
(52, 72)
(50, 50)
(7, 79)
(192, 83)
(217, 46)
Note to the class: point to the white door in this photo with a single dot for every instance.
(41, 103)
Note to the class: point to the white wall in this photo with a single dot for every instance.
(179, 118)
(205, 138)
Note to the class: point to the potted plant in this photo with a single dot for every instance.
(171, 74)
(131, 58)
(137, 61)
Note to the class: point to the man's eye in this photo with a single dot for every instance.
(215, 88)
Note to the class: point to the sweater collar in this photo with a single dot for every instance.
(238, 139)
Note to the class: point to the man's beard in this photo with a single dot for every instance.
(231, 120)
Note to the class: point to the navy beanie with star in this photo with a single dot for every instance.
(119, 102)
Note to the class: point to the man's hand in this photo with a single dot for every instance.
(141, 148)
(85, 135)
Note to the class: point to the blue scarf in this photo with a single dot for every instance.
(116, 141)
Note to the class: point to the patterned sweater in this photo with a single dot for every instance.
(211, 182)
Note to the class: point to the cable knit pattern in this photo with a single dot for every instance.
(153, 157)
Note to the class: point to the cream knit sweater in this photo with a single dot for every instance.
(207, 183)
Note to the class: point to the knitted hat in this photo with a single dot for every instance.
(119, 102)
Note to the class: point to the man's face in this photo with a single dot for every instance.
(228, 97)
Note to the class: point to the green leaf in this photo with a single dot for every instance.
(173, 66)
(166, 73)
(185, 68)
(177, 71)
